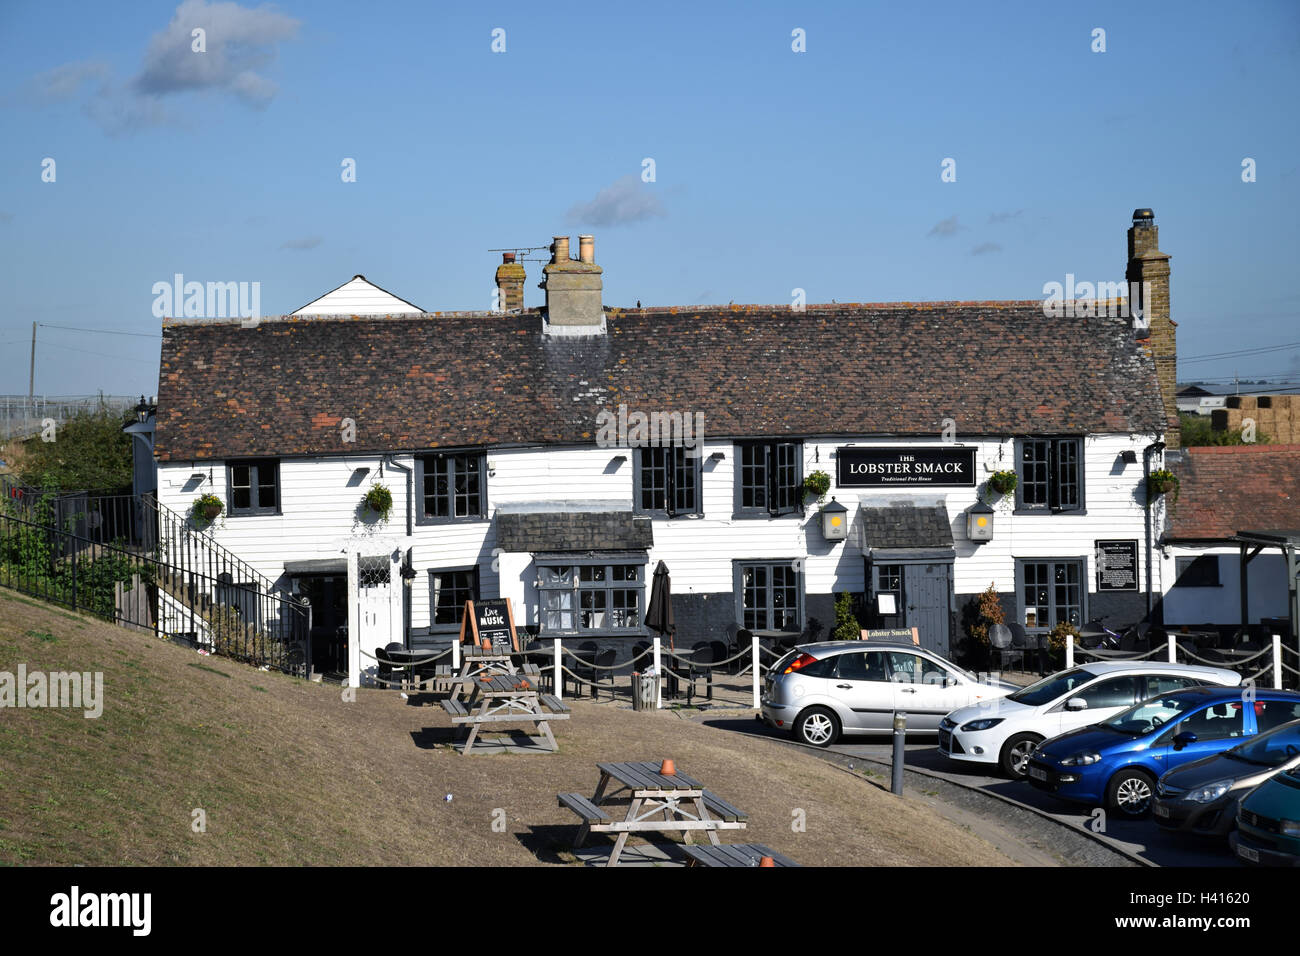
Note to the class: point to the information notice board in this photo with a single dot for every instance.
(1117, 563)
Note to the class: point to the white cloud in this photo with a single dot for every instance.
(946, 227)
(239, 41)
(624, 201)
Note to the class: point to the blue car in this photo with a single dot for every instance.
(1116, 763)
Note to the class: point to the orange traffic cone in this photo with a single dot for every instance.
(767, 861)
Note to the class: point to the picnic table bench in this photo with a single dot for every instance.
(505, 699)
(657, 803)
(734, 854)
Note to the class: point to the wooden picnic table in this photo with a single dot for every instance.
(734, 854)
(476, 662)
(657, 803)
(503, 698)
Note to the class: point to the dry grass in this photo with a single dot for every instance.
(289, 773)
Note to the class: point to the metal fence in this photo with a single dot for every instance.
(140, 565)
(21, 416)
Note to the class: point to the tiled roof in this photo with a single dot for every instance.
(1230, 488)
(573, 531)
(882, 524)
(439, 380)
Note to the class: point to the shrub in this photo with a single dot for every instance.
(847, 627)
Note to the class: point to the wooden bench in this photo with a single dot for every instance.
(733, 854)
(457, 711)
(722, 809)
(554, 704)
(583, 807)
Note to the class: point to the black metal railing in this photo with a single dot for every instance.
(136, 563)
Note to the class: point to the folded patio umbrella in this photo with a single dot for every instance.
(659, 615)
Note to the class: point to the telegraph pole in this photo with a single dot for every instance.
(31, 373)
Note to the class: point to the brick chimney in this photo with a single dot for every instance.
(510, 283)
(1148, 267)
(573, 288)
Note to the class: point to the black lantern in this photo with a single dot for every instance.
(142, 411)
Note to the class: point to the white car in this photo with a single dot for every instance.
(818, 691)
(1007, 730)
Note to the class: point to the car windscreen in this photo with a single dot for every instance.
(1049, 688)
(1270, 749)
(1150, 714)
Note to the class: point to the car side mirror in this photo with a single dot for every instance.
(1076, 703)
(1183, 739)
(950, 682)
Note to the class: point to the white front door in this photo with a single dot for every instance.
(375, 595)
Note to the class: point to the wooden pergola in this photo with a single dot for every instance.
(1254, 542)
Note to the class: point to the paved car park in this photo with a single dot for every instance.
(1140, 837)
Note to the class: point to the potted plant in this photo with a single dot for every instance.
(1162, 481)
(1004, 482)
(379, 500)
(207, 508)
(817, 483)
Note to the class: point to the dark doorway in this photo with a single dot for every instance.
(920, 593)
(329, 620)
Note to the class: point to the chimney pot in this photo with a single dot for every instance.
(560, 249)
(587, 249)
(507, 257)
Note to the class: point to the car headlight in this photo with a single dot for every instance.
(1289, 828)
(982, 724)
(1208, 793)
(1081, 759)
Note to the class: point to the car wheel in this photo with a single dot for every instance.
(817, 726)
(1015, 754)
(1130, 792)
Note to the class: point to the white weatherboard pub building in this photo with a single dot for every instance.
(486, 428)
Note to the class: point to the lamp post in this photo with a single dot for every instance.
(142, 411)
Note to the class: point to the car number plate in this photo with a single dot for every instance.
(1248, 853)
(1037, 774)
(1161, 811)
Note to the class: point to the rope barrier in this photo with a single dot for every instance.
(1120, 655)
(1263, 670)
(1231, 663)
(404, 664)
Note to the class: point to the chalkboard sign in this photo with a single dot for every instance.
(491, 625)
(1117, 565)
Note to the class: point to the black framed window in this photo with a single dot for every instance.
(451, 486)
(1051, 475)
(602, 596)
(1201, 571)
(667, 481)
(449, 589)
(769, 477)
(887, 579)
(1050, 591)
(769, 596)
(254, 487)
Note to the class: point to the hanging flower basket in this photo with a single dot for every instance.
(207, 508)
(379, 500)
(817, 483)
(1162, 482)
(1004, 482)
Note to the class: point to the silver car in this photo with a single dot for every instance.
(819, 691)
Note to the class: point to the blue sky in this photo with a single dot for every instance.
(774, 169)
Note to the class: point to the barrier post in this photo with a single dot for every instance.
(558, 679)
(1277, 661)
(1069, 652)
(756, 677)
(1173, 649)
(659, 678)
